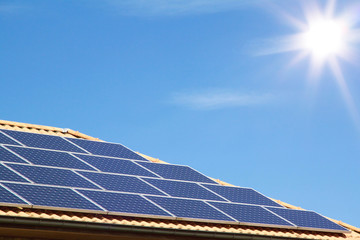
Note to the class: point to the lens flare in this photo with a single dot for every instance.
(325, 38)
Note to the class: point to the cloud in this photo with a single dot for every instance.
(177, 7)
(216, 99)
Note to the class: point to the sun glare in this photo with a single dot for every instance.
(325, 38)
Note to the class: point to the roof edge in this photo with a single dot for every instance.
(48, 128)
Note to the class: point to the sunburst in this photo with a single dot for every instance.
(326, 38)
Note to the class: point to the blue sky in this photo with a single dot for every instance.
(190, 82)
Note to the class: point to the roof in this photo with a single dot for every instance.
(171, 227)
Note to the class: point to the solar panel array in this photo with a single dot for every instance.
(52, 172)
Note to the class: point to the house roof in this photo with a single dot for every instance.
(166, 226)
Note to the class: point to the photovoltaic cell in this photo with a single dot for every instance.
(52, 196)
(241, 195)
(177, 172)
(50, 158)
(115, 165)
(43, 141)
(6, 140)
(250, 214)
(52, 176)
(306, 218)
(186, 208)
(183, 189)
(7, 156)
(121, 183)
(8, 197)
(8, 175)
(106, 149)
(124, 203)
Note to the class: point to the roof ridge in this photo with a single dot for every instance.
(48, 128)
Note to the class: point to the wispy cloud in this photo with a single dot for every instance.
(216, 99)
(177, 7)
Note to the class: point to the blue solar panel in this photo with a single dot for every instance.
(241, 195)
(183, 189)
(107, 149)
(186, 208)
(50, 158)
(116, 165)
(52, 196)
(177, 172)
(124, 203)
(6, 140)
(43, 141)
(52, 176)
(8, 197)
(250, 214)
(306, 219)
(7, 156)
(121, 183)
(8, 175)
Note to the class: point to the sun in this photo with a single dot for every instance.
(325, 38)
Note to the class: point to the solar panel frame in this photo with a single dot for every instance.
(251, 215)
(5, 154)
(296, 216)
(52, 176)
(193, 206)
(165, 171)
(124, 152)
(242, 195)
(11, 175)
(16, 199)
(6, 139)
(121, 183)
(43, 141)
(50, 158)
(181, 189)
(37, 198)
(116, 165)
(112, 200)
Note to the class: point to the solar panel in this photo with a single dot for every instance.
(241, 195)
(124, 203)
(8, 175)
(43, 141)
(8, 197)
(307, 219)
(107, 149)
(250, 214)
(50, 158)
(6, 140)
(183, 189)
(52, 196)
(52, 176)
(121, 183)
(54, 172)
(113, 165)
(186, 208)
(177, 172)
(7, 156)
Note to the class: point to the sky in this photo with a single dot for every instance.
(218, 85)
